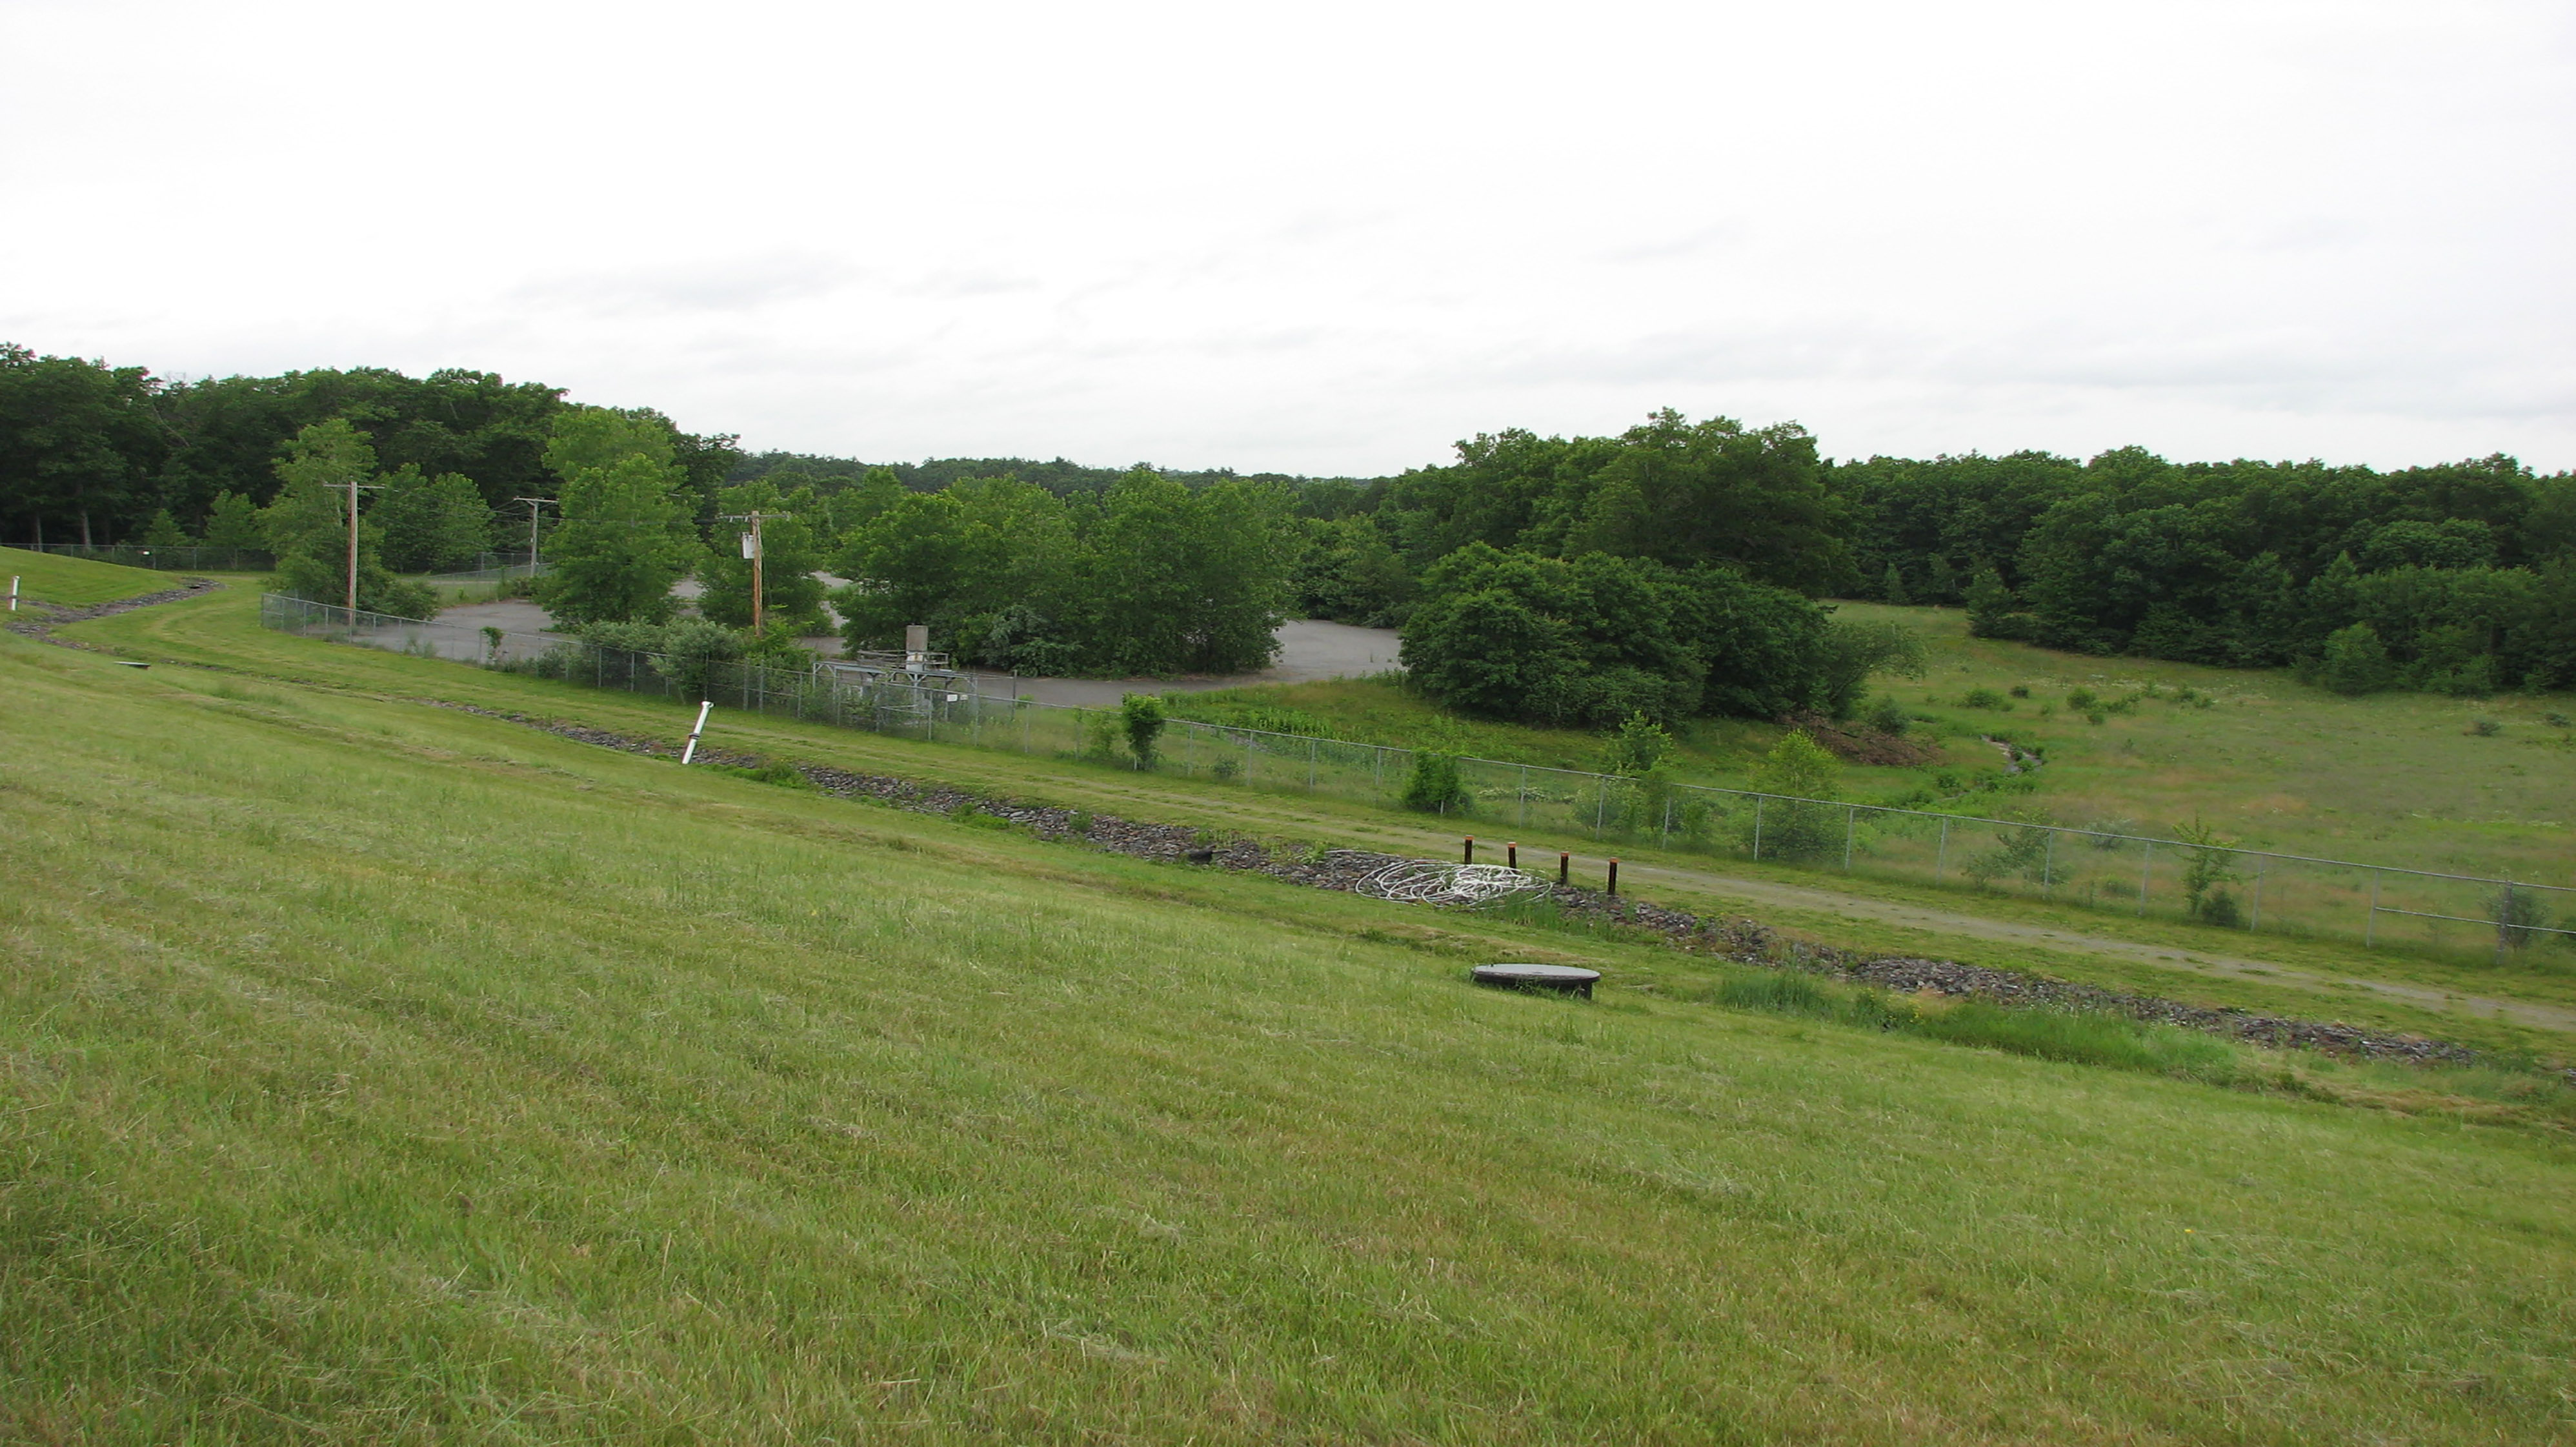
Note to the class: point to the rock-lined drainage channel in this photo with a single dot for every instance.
(39, 620)
(1734, 939)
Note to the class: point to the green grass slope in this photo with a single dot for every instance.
(76, 582)
(2316, 978)
(378, 1072)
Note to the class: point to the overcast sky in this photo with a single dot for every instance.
(1335, 238)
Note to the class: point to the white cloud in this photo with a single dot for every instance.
(1336, 237)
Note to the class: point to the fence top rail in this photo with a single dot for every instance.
(1605, 779)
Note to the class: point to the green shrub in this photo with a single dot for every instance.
(2081, 700)
(1637, 748)
(1141, 718)
(2207, 864)
(1434, 787)
(2021, 849)
(1983, 698)
(783, 775)
(2520, 916)
(2485, 728)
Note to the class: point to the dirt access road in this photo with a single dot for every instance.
(1790, 896)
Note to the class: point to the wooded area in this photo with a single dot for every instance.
(1670, 570)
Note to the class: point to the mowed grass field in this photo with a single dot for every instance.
(76, 582)
(2316, 978)
(380, 1072)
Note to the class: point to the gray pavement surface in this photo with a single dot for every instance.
(1309, 649)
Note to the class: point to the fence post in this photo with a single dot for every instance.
(2256, 922)
(2048, 865)
(1601, 804)
(1851, 821)
(1941, 856)
(2370, 925)
(2504, 919)
(1757, 826)
(2146, 872)
(1668, 824)
(1524, 800)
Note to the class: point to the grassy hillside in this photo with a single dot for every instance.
(382, 1072)
(2400, 779)
(2437, 995)
(76, 582)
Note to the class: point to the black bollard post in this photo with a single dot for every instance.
(1512, 855)
(1468, 854)
(1614, 878)
(1564, 867)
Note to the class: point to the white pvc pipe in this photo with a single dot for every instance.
(691, 751)
(13, 594)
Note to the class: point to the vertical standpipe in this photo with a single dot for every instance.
(698, 728)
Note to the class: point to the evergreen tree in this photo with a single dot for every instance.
(165, 532)
(1893, 586)
(2356, 661)
(233, 522)
(1990, 606)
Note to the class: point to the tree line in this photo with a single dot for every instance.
(93, 453)
(2459, 577)
(1674, 569)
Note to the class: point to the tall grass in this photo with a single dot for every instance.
(2076, 1037)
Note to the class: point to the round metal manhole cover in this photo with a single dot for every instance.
(1563, 979)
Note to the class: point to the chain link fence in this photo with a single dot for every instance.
(2203, 881)
(185, 559)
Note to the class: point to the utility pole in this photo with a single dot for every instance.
(355, 487)
(751, 550)
(534, 503)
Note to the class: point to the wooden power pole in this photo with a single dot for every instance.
(355, 487)
(751, 551)
(534, 503)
